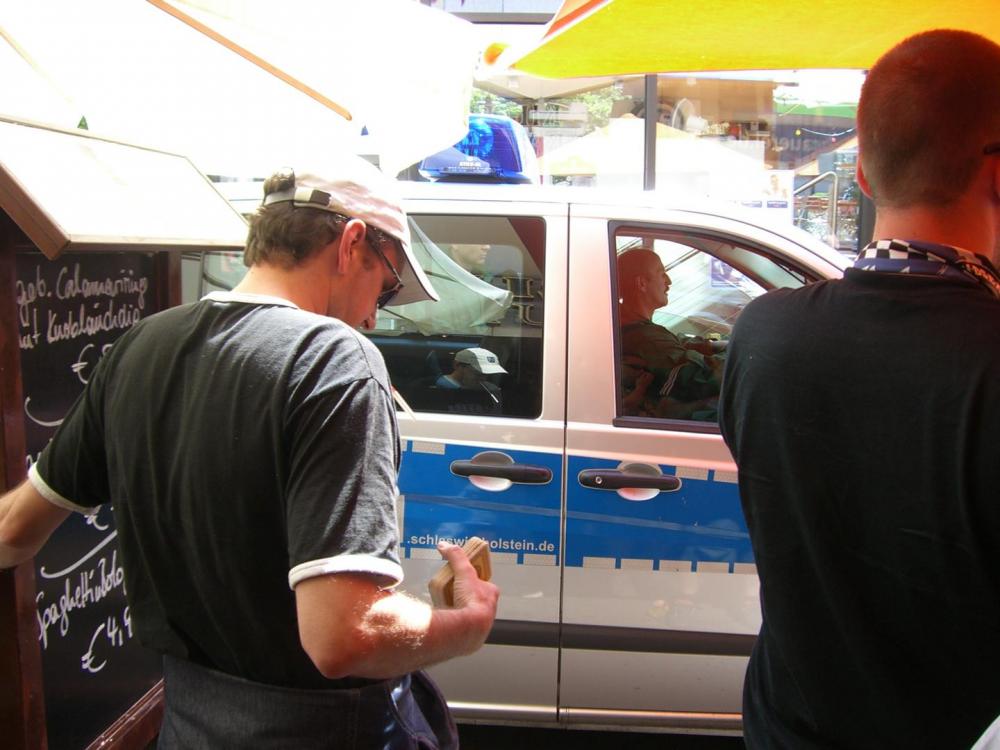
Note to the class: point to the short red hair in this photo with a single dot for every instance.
(927, 109)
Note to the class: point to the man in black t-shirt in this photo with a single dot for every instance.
(248, 444)
(864, 417)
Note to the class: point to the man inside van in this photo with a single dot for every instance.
(471, 370)
(663, 377)
(248, 444)
(864, 417)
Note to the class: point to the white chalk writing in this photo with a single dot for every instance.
(87, 358)
(103, 543)
(84, 322)
(88, 587)
(94, 520)
(27, 293)
(68, 287)
(36, 420)
(116, 632)
(111, 303)
(31, 459)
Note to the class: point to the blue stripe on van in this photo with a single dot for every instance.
(522, 520)
(700, 523)
(698, 528)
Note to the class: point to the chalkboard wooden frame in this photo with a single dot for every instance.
(22, 708)
(22, 701)
(138, 726)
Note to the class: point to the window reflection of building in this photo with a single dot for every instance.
(527, 301)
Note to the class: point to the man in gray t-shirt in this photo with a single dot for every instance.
(248, 444)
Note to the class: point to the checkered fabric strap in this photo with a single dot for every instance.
(925, 258)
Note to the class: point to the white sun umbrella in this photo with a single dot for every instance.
(613, 154)
(137, 73)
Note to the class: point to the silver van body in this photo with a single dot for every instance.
(624, 602)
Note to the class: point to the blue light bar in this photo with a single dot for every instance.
(496, 149)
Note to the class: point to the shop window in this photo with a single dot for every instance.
(781, 144)
(210, 271)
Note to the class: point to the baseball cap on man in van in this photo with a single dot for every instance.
(354, 188)
(481, 360)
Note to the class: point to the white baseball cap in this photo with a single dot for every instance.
(359, 190)
(480, 360)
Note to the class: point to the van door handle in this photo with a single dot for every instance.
(615, 479)
(520, 473)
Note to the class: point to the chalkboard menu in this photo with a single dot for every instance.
(70, 311)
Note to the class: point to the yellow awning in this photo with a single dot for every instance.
(619, 37)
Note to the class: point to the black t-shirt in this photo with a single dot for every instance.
(864, 416)
(245, 445)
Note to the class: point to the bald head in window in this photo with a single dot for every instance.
(643, 284)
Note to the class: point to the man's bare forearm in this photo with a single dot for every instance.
(400, 634)
(350, 627)
(26, 521)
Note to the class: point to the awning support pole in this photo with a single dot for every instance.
(649, 137)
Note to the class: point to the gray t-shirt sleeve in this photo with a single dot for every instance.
(341, 493)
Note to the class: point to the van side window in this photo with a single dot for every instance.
(210, 271)
(478, 350)
(679, 295)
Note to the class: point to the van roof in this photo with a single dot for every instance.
(621, 198)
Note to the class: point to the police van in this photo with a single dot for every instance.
(629, 595)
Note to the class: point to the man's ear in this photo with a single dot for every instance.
(348, 244)
(862, 180)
